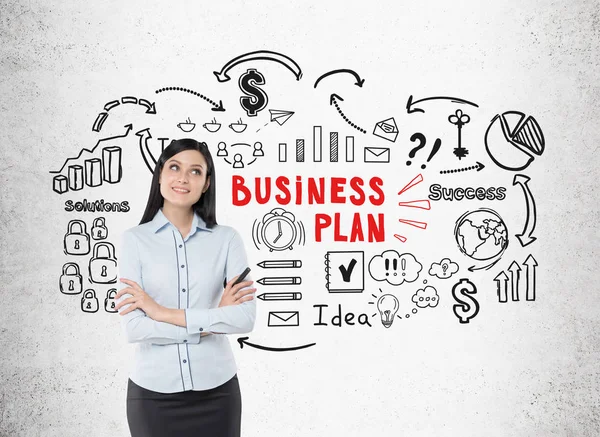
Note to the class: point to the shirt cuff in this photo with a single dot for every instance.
(197, 320)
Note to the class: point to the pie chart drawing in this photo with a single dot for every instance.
(512, 140)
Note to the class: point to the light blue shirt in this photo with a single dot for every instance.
(185, 273)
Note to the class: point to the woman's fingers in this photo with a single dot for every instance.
(124, 291)
(236, 288)
(126, 302)
(244, 293)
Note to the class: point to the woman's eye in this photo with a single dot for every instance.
(173, 165)
(198, 172)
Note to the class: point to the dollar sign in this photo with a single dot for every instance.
(255, 99)
(468, 306)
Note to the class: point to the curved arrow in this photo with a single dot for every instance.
(410, 103)
(144, 135)
(526, 238)
(128, 128)
(216, 107)
(102, 116)
(333, 101)
(359, 82)
(260, 55)
(242, 341)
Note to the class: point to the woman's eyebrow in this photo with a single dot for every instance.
(193, 165)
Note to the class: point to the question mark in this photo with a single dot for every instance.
(444, 268)
(421, 138)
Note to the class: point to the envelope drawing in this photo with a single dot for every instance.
(386, 129)
(283, 318)
(377, 154)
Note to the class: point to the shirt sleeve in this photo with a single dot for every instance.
(137, 326)
(230, 319)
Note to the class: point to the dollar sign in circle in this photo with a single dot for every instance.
(468, 307)
(255, 99)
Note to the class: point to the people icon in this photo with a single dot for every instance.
(237, 161)
(258, 151)
(222, 151)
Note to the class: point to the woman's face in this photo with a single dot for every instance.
(183, 179)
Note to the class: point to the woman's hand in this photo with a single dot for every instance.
(139, 299)
(234, 295)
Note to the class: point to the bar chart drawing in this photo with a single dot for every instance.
(87, 168)
(282, 152)
(317, 147)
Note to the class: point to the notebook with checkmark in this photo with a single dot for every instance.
(344, 271)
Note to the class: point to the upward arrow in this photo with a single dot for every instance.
(531, 264)
(502, 282)
(149, 159)
(515, 273)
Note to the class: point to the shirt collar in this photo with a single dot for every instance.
(160, 220)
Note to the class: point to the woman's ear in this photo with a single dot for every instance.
(206, 185)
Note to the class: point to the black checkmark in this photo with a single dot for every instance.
(347, 272)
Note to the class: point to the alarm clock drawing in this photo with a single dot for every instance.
(279, 229)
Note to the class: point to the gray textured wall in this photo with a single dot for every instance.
(517, 370)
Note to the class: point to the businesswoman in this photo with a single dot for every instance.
(177, 299)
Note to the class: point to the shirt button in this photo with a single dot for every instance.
(183, 289)
(201, 329)
(180, 246)
(182, 266)
(185, 341)
(185, 361)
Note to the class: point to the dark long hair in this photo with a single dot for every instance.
(206, 206)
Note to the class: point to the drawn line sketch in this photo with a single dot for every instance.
(76, 240)
(71, 281)
(238, 127)
(254, 99)
(388, 306)
(91, 172)
(99, 229)
(503, 281)
(283, 318)
(394, 268)
(278, 230)
(89, 301)
(280, 280)
(218, 107)
(186, 126)
(418, 136)
(333, 101)
(386, 129)
(512, 140)
(259, 55)
(459, 119)
(478, 166)
(376, 154)
(359, 82)
(426, 297)
(243, 341)
(468, 307)
(103, 267)
(212, 126)
(410, 104)
(482, 236)
(444, 269)
(280, 264)
(280, 296)
(344, 271)
(102, 116)
(109, 301)
(526, 237)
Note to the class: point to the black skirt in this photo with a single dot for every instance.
(213, 413)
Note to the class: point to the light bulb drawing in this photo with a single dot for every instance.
(388, 307)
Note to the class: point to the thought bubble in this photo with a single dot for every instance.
(394, 268)
(444, 269)
(426, 297)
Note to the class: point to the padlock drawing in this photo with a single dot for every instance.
(109, 302)
(89, 301)
(99, 229)
(71, 280)
(76, 241)
(103, 268)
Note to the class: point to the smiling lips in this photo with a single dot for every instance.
(180, 190)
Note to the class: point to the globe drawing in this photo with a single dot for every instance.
(481, 234)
